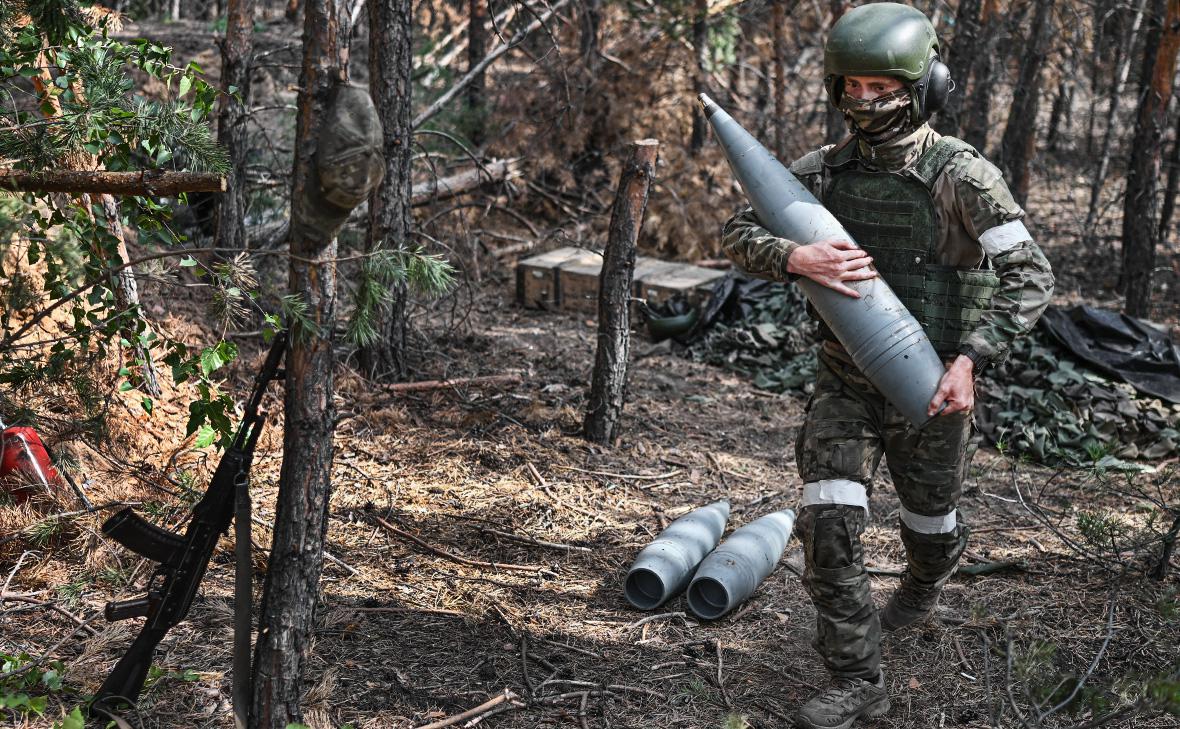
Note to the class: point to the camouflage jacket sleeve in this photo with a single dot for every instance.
(755, 249)
(991, 216)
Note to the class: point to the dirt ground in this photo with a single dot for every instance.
(411, 632)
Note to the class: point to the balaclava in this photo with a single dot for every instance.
(878, 120)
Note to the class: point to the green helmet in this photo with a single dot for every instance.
(888, 39)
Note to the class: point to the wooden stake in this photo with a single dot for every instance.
(607, 389)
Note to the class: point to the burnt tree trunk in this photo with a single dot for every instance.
(778, 84)
(231, 122)
(975, 120)
(1020, 134)
(301, 518)
(609, 381)
(836, 128)
(961, 59)
(1143, 173)
(1116, 92)
(1169, 205)
(390, 65)
(700, 42)
(477, 48)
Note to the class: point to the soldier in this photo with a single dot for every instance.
(937, 221)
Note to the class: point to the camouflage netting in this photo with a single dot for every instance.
(1039, 404)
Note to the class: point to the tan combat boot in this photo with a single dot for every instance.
(842, 703)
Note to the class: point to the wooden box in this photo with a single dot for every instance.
(693, 281)
(538, 280)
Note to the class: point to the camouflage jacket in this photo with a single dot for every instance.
(978, 225)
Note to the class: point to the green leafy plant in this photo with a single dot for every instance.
(25, 688)
(67, 99)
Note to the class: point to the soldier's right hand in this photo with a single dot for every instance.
(831, 263)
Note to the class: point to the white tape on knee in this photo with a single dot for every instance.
(930, 524)
(835, 491)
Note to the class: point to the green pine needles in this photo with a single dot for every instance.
(67, 101)
(382, 272)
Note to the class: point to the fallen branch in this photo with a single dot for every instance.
(429, 385)
(507, 696)
(454, 557)
(448, 187)
(531, 540)
(630, 476)
(410, 610)
(31, 600)
(652, 618)
(153, 183)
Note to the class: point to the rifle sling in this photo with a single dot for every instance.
(243, 599)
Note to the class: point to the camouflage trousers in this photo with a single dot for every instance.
(849, 426)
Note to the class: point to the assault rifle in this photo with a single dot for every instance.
(182, 560)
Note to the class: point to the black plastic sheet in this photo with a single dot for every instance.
(1137, 352)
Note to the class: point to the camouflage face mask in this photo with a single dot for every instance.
(878, 120)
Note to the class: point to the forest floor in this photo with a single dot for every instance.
(406, 635)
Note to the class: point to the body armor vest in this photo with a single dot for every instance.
(892, 216)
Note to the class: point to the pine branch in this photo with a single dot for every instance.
(153, 183)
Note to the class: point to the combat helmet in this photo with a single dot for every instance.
(888, 39)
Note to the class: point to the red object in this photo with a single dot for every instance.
(24, 464)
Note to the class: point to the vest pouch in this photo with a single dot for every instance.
(953, 302)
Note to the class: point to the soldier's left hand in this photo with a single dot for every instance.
(956, 388)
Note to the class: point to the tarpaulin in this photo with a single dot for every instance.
(1137, 352)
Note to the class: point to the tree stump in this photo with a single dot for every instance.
(607, 388)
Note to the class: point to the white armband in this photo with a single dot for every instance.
(1003, 238)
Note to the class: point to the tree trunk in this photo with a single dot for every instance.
(1101, 11)
(231, 122)
(301, 519)
(975, 121)
(390, 65)
(591, 20)
(477, 48)
(700, 42)
(778, 32)
(1172, 187)
(1140, 205)
(1062, 106)
(836, 127)
(1116, 92)
(609, 381)
(1020, 134)
(961, 59)
(127, 297)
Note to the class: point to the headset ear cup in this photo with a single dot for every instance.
(835, 87)
(938, 88)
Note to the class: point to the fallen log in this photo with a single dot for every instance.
(446, 187)
(155, 183)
